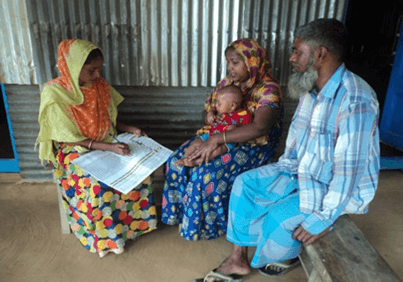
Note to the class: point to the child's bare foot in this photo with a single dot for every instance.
(180, 162)
(189, 163)
(192, 163)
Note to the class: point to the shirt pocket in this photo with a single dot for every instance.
(324, 147)
(320, 166)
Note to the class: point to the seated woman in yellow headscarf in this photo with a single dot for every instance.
(78, 113)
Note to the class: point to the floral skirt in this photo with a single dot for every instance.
(197, 198)
(101, 217)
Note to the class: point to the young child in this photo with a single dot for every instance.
(229, 105)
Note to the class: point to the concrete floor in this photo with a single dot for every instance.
(32, 247)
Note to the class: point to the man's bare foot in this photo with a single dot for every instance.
(230, 266)
(238, 266)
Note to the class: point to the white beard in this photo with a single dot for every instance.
(301, 82)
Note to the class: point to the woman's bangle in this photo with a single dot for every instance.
(89, 146)
(225, 139)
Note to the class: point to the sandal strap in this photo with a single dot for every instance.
(294, 261)
(278, 264)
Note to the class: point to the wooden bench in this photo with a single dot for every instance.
(345, 255)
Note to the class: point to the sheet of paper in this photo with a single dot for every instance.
(124, 173)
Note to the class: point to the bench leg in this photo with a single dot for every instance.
(63, 216)
(311, 273)
(314, 277)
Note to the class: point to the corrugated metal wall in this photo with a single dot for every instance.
(168, 42)
(23, 101)
(162, 55)
(16, 64)
(169, 115)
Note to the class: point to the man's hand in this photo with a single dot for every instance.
(307, 238)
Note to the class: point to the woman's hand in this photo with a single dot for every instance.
(230, 127)
(264, 119)
(131, 129)
(212, 118)
(119, 148)
(205, 149)
(136, 131)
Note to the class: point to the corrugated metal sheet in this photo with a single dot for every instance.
(16, 64)
(170, 115)
(170, 50)
(154, 42)
(23, 102)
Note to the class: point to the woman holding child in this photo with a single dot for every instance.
(77, 114)
(198, 184)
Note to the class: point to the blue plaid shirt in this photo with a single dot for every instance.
(333, 148)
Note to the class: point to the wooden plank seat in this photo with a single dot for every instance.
(344, 254)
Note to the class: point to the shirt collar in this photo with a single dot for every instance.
(331, 86)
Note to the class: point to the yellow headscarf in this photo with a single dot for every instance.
(63, 103)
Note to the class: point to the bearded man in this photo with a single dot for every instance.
(330, 166)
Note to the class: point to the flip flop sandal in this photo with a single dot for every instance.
(221, 277)
(116, 251)
(277, 268)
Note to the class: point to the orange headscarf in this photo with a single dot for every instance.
(91, 117)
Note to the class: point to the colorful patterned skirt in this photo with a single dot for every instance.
(197, 198)
(102, 218)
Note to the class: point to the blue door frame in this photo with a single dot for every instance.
(391, 127)
(9, 165)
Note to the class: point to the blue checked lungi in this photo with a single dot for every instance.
(264, 213)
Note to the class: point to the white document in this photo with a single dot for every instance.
(124, 173)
